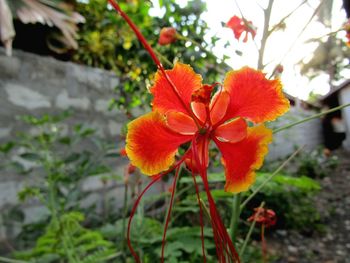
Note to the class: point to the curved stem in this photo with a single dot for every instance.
(201, 222)
(236, 211)
(250, 231)
(149, 49)
(311, 118)
(134, 254)
(269, 178)
(167, 219)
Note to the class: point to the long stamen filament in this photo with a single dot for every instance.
(167, 220)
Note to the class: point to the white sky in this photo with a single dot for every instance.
(279, 43)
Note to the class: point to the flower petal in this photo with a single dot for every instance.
(199, 111)
(202, 151)
(185, 80)
(253, 96)
(150, 145)
(218, 106)
(181, 123)
(232, 131)
(241, 159)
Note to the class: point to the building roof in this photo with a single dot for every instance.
(335, 90)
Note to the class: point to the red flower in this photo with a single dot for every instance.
(122, 152)
(266, 217)
(239, 26)
(347, 29)
(191, 116)
(167, 36)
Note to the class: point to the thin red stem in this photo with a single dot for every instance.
(263, 242)
(154, 180)
(223, 243)
(169, 212)
(154, 57)
(137, 33)
(201, 222)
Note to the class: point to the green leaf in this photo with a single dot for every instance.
(6, 147)
(30, 156)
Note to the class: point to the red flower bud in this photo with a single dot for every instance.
(279, 68)
(167, 36)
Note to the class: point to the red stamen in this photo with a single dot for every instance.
(169, 212)
(154, 179)
(223, 243)
(200, 213)
(263, 242)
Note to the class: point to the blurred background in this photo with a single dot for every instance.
(73, 74)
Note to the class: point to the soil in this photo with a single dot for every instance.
(331, 245)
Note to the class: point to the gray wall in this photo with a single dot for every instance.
(308, 134)
(344, 98)
(35, 85)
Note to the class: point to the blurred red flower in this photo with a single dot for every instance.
(266, 217)
(167, 36)
(239, 25)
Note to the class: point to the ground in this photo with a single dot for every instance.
(331, 245)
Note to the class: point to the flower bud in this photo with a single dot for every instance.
(167, 36)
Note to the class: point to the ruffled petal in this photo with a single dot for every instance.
(241, 159)
(185, 80)
(150, 145)
(181, 123)
(232, 131)
(254, 97)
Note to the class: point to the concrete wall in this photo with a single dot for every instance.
(285, 142)
(344, 98)
(35, 85)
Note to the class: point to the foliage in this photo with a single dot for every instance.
(183, 243)
(316, 164)
(66, 240)
(290, 197)
(106, 41)
(58, 160)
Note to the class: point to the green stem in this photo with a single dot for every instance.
(269, 178)
(205, 209)
(125, 211)
(68, 247)
(163, 58)
(301, 32)
(247, 238)
(52, 200)
(236, 201)
(310, 118)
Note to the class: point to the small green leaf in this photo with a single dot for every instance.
(30, 156)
